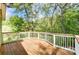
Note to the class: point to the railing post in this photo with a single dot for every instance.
(28, 35)
(54, 40)
(38, 35)
(77, 44)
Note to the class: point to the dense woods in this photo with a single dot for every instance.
(55, 18)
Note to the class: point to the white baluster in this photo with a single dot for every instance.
(45, 36)
(28, 35)
(65, 42)
(54, 39)
(38, 35)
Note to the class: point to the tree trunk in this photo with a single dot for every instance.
(62, 22)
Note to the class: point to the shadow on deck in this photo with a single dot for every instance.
(13, 48)
(32, 47)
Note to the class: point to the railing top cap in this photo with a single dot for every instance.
(77, 36)
(44, 32)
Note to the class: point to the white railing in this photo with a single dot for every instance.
(77, 44)
(58, 40)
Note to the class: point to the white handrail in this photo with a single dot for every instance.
(65, 41)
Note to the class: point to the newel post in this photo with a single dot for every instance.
(77, 44)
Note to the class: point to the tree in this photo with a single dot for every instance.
(17, 23)
(72, 21)
(54, 16)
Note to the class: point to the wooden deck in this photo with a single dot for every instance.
(14, 48)
(32, 47)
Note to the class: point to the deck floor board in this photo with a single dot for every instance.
(32, 47)
(14, 48)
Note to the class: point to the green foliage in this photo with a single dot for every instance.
(5, 22)
(72, 21)
(64, 18)
(17, 23)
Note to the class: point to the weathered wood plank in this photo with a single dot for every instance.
(33, 47)
(14, 48)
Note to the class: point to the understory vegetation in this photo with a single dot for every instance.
(54, 18)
